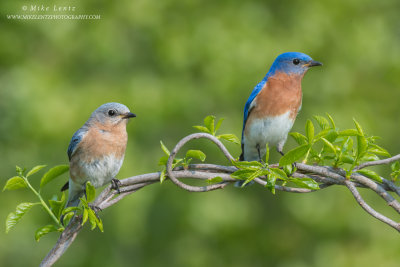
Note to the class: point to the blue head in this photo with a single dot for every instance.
(293, 63)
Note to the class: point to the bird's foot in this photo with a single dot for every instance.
(115, 184)
(280, 152)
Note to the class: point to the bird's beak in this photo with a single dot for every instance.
(313, 63)
(128, 115)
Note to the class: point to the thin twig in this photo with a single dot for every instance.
(368, 209)
(377, 162)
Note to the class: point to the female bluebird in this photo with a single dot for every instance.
(273, 105)
(97, 150)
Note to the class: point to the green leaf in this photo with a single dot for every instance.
(209, 123)
(395, 166)
(347, 145)
(370, 174)
(362, 145)
(329, 145)
(256, 174)
(164, 148)
(163, 161)
(310, 131)
(271, 181)
(247, 164)
(14, 183)
(218, 124)
(243, 174)
(53, 173)
(288, 169)
(85, 216)
(14, 217)
(100, 225)
(94, 220)
(70, 209)
(299, 138)
(44, 231)
(215, 180)
(57, 205)
(331, 121)
(305, 183)
(293, 155)
(358, 126)
(68, 216)
(322, 122)
(202, 129)
(369, 157)
(267, 153)
(90, 192)
(197, 154)
(35, 170)
(84, 202)
(331, 136)
(321, 134)
(347, 159)
(373, 148)
(162, 175)
(229, 137)
(279, 173)
(349, 132)
(176, 162)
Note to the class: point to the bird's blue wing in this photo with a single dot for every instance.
(75, 140)
(253, 95)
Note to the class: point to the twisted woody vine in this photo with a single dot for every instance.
(325, 156)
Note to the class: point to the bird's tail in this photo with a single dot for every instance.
(75, 192)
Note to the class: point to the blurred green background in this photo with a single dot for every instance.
(173, 63)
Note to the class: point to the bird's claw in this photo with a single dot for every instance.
(115, 184)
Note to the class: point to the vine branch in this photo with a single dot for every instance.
(324, 175)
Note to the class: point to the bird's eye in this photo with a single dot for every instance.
(296, 61)
(112, 112)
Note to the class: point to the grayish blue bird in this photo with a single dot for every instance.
(97, 149)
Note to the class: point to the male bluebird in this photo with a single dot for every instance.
(97, 150)
(273, 105)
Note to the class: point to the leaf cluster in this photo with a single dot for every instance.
(249, 170)
(211, 128)
(54, 207)
(346, 148)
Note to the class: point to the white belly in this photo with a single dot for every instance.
(259, 132)
(100, 172)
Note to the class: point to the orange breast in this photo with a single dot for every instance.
(102, 141)
(282, 93)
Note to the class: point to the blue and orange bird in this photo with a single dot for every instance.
(97, 150)
(273, 105)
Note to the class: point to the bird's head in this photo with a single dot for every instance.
(112, 114)
(293, 63)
